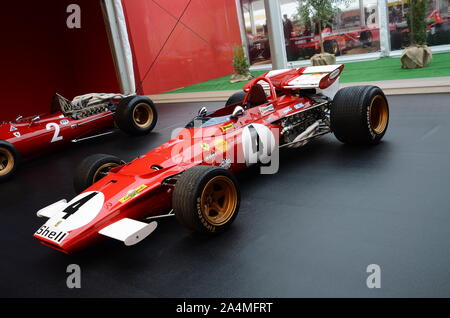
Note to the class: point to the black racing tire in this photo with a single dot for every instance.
(197, 193)
(236, 98)
(336, 48)
(332, 47)
(136, 115)
(92, 169)
(366, 39)
(327, 46)
(359, 115)
(266, 53)
(292, 53)
(396, 40)
(9, 160)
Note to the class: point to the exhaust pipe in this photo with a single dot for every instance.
(298, 141)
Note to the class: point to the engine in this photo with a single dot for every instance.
(90, 111)
(304, 124)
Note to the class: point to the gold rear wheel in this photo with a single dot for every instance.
(136, 115)
(143, 115)
(359, 115)
(378, 114)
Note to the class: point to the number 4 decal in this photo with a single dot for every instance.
(80, 211)
(56, 137)
(74, 207)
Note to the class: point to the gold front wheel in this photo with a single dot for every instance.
(206, 199)
(9, 159)
(93, 169)
(103, 170)
(6, 162)
(218, 200)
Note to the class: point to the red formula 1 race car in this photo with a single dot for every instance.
(85, 117)
(334, 42)
(192, 177)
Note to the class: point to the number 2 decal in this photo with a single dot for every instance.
(56, 137)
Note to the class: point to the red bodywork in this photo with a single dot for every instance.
(345, 39)
(192, 146)
(33, 137)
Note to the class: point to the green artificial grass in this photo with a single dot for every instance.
(388, 68)
(217, 84)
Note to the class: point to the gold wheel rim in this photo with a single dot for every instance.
(103, 170)
(378, 114)
(6, 161)
(143, 115)
(218, 200)
(335, 48)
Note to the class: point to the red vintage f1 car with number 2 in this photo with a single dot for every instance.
(85, 117)
(192, 177)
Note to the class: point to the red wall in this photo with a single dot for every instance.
(41, 56)
(187, 58)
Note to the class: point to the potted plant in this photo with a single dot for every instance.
(418, 54)
(241, 66)
(319, 12)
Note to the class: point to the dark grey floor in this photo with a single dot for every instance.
(308, 231)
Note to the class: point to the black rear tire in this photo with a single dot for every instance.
(359, 115)
(236, 98)
(136, 115)
(332, 47)
(196, 195)
(366, 39)
(336, 49)
(9, 160)
(92, 169)
(396, 40)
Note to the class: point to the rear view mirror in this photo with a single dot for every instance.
(202, 112)
(238, 111)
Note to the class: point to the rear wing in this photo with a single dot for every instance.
(320, 77)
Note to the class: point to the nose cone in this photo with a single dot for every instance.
(72, 224)
(52, 237)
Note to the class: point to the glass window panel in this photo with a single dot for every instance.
(256, 31)
(354, 29)
(437, 22)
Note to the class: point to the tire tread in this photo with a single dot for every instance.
(185, 195)
(86, 169)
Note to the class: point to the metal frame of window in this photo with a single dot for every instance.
(273, 16)
(121, 50)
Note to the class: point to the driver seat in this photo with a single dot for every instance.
(256, 96)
